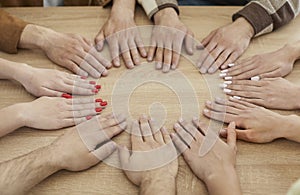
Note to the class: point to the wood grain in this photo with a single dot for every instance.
(263, 168)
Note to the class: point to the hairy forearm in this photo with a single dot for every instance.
(158, 185)
(123, 8)
(19, 175)
(11, 119)
(224, 182)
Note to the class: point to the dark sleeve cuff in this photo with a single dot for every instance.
(11, 29)
(256, 15)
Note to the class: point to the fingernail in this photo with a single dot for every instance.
(158, 65)
(88, 117)
(103, 103)
(211, 70)
(222, 131)
(173, 66)
(98, 86)
(227, 90)
(195, 118)
(92, 82)
(180, 120)
(67, 96)
(99, 100)
(256, 78)
(95, 90)
(237, 97)
(166, 68)
(224, 71)
(228, 78)
(223, 85)
(223, 74)
(98, 109)
(176, 125)
(206, 111)
(208, 102)
(231, 65)
(83, 77)
(149, 58)
(228, 82)
(203, 70)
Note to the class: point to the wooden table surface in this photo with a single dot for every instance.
(263, 168)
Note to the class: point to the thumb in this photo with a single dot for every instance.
(124, 155)
(231, 135)
(99, 40)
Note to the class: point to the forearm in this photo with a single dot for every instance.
(158, 185)
(11, 118)
(123, 8)
(291, 128)
(293, 50)
(224, 182)
(19, 175)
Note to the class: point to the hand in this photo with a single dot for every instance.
(270, 93)
(269, 65)
(48, 82)
(56, 112)
(121, 34)
(75, 152)
(217, 167)
(168, 36)
(259, 124)
(71, 51)
(153, 160)
(224, 45)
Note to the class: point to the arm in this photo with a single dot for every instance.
(11, 30)
(266, 16)
(67, 152)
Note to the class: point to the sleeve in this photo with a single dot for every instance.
(11, 29)
(151, 7)
(268, 15)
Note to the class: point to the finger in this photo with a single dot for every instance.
(99, 40)
(102, 60)
(190, 129)
(72, 89)
(166, 135)
(243, 88)
(79, 101)
(86, 67)
(82, 113)
(112, 121)
(222, 108)
(86, 106)
(231, 135)
(211, 59)
(246, 83)
(140, 45)
(114, 50)
(243, 135)
(232, 58)
(207, 39)
(185, 136)
(240, 102)
(167, 60)
(159, 57)
(180, 145)
(67, 122)
(233, 104)
(219, 61)
(134, 52)
(69, 64)
(156, 132)
(247, 94)
(145, 129)
(136, 135)
(105, 150)
(51, 93)
(96, 64)
(201, 127)
(151, 51)
(240, 69)
(126, 55)
(189, 42)
(115, 130)
(273, 74)
(259, 102)
(219, 116)
(124, 155)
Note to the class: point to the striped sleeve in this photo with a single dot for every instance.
(268, 15)
(151, 7)
(11, 29)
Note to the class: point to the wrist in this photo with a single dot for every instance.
(122, 9)
(50, 158)
(291, 127)
(292, 51)
(166, 13)
(22, 72)
(158, 184)
(242, 24)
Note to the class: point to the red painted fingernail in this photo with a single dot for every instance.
(65, 95)
(103, 103)
(99, 100)
(98, 109)
(93, 82)
(95, 90)
(83, 77)
(88, 117)
(98, 86)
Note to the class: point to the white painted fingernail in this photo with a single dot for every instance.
(223, 85)
(206, 111)
(235, 98)
(224, 71)
(231, 65)
(227, 90)
(256, 78)
(228, 82)
(223, 74)
(228, 78)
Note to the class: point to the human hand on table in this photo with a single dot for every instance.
(257, 123)
(48, 82)
(152, 164)
(168, 36)
(225, 45)
(217, 167)
(57, 112)
(274, 93)
(269, 65)
(122, 35)
(71, 51)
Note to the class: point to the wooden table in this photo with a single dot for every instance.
(263, 168)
